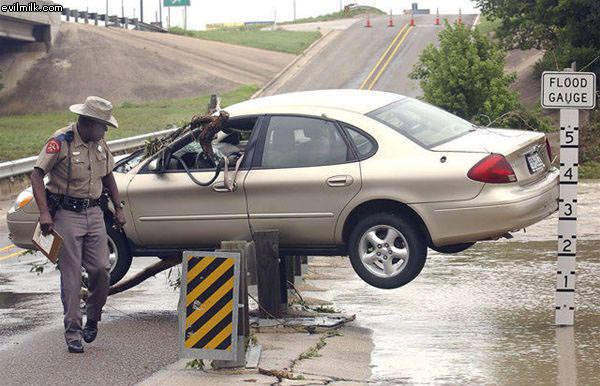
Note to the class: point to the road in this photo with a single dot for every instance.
(138, 334)
(349, 60)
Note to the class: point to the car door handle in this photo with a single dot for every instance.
(338, 181)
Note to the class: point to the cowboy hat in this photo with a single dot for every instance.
(96, 108)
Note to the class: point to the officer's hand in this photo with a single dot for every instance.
(119, 218)
(46, 223)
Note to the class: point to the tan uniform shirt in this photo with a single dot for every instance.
(90, 162)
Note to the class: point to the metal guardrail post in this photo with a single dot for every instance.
(85, 17)
(75, 14)
(67, 13)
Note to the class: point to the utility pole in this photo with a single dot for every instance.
(106, 16)
(142, 11)
(168, 17)
(160, 11)
(185, 18)
(341, 7)
(294, 10)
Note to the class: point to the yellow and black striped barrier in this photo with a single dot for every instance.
(208, 317)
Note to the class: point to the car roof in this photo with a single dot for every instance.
(358, 101)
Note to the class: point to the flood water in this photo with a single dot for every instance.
(486, 315)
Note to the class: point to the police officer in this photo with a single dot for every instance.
(79, 166)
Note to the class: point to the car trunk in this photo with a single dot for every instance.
(524, 150)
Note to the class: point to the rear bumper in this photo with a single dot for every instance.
(498, 209)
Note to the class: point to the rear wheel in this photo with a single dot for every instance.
(386, 250)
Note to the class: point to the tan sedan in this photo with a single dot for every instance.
(376, 176)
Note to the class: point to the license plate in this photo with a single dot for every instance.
(534, 162)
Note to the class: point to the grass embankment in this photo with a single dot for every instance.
(339, 15)
(24, 135)
(292, 42)
(589, 170)
(487, 26)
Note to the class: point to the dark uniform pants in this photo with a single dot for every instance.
(85, 243)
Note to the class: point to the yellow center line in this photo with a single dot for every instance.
(383, 56)
(389, 59)
(7, 247)
(12, 255)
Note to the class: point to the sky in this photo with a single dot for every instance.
(202, 12)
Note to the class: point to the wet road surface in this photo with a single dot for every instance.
(483, 316)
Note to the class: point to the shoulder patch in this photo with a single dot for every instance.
(53, 146)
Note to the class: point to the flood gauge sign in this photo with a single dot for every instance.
(568, 90)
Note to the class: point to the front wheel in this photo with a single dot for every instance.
(386, 250)
(119, 254)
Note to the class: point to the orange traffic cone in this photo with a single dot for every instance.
(437, 16)
(391, 21)
(368, 25)
(412, 21)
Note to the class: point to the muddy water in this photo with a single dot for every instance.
(484, 316)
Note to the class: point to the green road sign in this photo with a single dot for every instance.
(176, 3)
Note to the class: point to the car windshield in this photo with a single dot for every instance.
(423, 123)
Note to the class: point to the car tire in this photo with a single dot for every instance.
(394, 266)
(119, 253)
(454, 248)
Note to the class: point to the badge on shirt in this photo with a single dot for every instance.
(53, 146)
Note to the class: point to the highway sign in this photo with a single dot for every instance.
(568, 90)
(176, 3)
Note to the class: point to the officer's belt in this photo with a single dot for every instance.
(72, 203)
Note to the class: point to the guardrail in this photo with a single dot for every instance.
(111, 20)
(25, 165)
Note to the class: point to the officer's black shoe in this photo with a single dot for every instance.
(75, 346)
(90, 331)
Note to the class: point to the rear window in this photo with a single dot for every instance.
(423, 123)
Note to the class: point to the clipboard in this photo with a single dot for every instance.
(48, 245)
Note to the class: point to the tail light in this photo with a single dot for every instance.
(549, 149)
(493, 169)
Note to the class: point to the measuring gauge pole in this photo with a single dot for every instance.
(568, 91)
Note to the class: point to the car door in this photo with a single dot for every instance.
(170, 210)
(303, 174)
